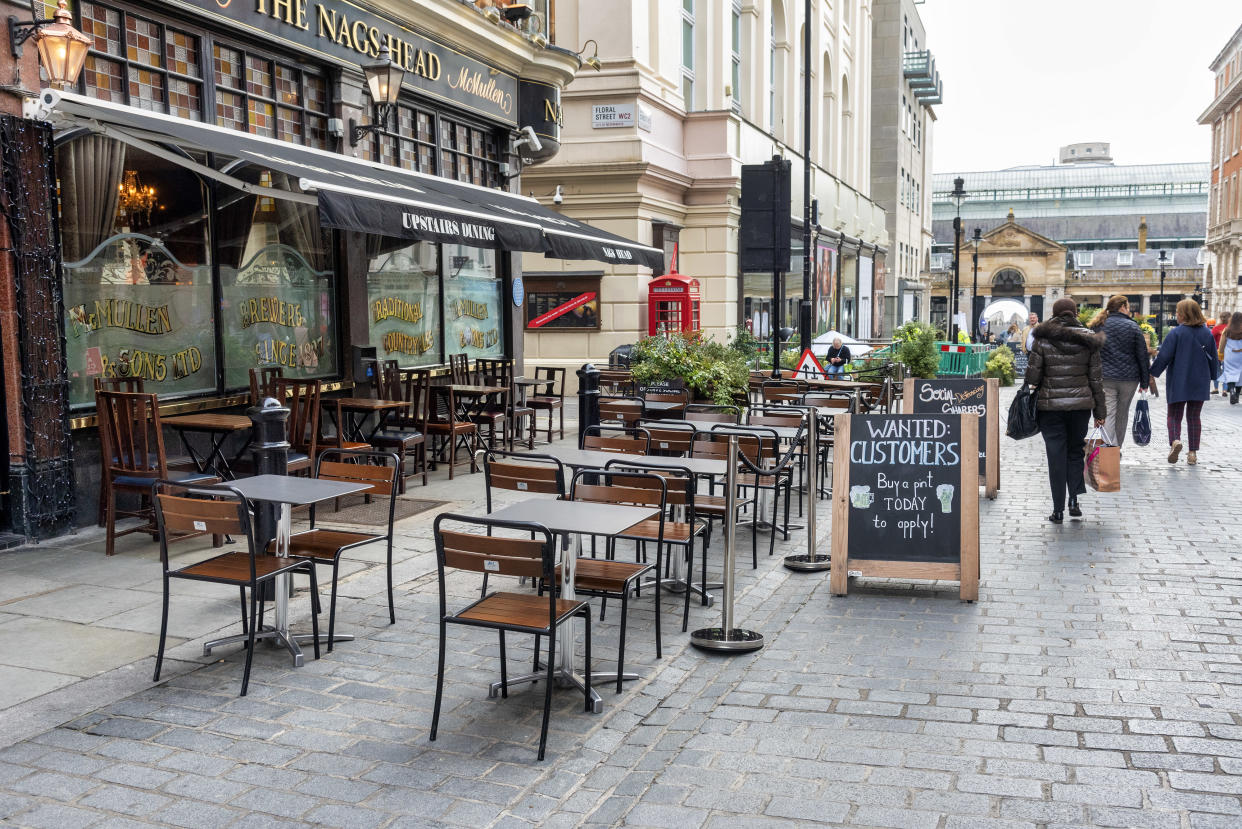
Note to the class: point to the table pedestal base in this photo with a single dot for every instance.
(274, 637)
(807, 564)
(563, 679)
(728, 641)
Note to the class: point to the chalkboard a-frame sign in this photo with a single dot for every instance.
(905, 499)
(960, 395)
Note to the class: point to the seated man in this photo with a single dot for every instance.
(838, 358)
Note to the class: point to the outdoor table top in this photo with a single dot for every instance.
(530, 381)
(365, 404)
(596, 459)
(479, 391)
(287, 489)
(649, 405)
(585, 517)
(843, 384)
(782, 432)
(208, 422)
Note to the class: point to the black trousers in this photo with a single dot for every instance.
(1065, 438)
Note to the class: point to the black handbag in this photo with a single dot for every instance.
(1022, 420)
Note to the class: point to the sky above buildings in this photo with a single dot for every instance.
(1024, 78)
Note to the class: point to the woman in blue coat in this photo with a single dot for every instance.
(1189, 353)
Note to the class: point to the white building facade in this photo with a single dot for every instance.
(652, 148)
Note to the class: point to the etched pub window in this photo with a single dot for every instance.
(403, 301)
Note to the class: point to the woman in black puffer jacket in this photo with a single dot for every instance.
(1065, 368)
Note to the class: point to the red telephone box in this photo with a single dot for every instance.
(672, 305)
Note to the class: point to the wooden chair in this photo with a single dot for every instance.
(708, 413)
(528, 474)
(679, 397)
(549, 398)
(459, 369)
(128, 384)
(789, 416)
(782, 391)
(441, 423)
(263, 383)
(223, 511)
(134, 458)
(501, 612)
(616, 439)
(380, 472)
(616, 381)
(679, 531)
(301, 397)
(837, 401)
(712, 507)
(624, 410)
(400, 433)
(607, 577)
(670, 438)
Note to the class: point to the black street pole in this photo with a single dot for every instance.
(1160, 327)
(778, 280)
(957, 255)
(974, 289)
(804, 321)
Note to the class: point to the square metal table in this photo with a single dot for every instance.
(288, 492)
(573, 518)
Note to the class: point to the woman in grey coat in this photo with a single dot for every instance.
(1124, 365)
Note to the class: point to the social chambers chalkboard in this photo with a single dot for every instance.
(905, 480)
(954, 396)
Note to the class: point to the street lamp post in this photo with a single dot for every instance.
(974, 288)
(1160, 322)
(804, 309)
(958, 195)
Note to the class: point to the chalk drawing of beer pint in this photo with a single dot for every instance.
(861, 496)
(945, 493)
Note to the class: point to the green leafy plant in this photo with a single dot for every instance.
(1086, 313)
(1000, 364)
(710, 369)
(915, 346)
(745, 344)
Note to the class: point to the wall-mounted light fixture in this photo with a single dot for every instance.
(384, 78)
(62, 48)
(593, 60)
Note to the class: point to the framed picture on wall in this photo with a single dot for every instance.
(562, 303)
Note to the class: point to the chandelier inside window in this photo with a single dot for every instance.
(134, 200)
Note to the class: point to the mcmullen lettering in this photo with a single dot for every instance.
(469, 308)
(121, 313)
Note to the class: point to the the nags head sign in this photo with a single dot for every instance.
(349, 34)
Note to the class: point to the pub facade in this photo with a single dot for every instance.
(223, 191)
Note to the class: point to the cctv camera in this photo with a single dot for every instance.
(528, 139)
(558, 197)
(41, 107)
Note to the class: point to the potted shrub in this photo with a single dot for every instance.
(915, 346)
(713, 371)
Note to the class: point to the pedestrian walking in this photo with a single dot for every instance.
(1124, 364)
(838, 357)
(1217, 328)
(1189, 354)
(1028, 333)
(1064, 368)
(1230, 354)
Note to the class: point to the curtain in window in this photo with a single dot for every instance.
(91, 168)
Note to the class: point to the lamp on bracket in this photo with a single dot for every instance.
(593, 60)
(62, 48)
(384, 78)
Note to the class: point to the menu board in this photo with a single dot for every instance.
(906, 498)
(964, 395)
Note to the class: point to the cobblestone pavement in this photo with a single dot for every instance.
(1095, 683)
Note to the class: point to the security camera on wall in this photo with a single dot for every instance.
(527, 138)
(558, 196)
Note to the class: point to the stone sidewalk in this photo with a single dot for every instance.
(1095, 683)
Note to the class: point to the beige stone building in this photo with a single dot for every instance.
(1224, 232)
(652, 147)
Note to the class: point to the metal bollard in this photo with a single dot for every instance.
(727, 638)
(269, 446)
(588, 399)
(812, 562)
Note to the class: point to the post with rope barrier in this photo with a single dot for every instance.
(812, 561)
(727, 638)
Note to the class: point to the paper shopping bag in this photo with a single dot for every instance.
(1102, 470)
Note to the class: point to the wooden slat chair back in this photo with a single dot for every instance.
(301, 397)
(670, 438)
(635, 441)
(626, 410)
(773, 416)
(459, 369)
(672, 396)
(706, 413)
(443, 423)
(181, 508)
(843, 401)
(401, 431)
(263, 383)
(127, 384)
(533, 557)
(415, 389)
(782, 391)
(762, 448)
(616, 381)
(531, 474)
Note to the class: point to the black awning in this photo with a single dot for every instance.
(354, 194)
